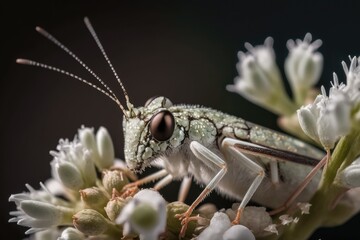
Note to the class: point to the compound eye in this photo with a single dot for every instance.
(162, 125)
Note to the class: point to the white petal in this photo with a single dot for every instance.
(237, 232)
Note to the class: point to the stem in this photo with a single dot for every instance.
(322, 202)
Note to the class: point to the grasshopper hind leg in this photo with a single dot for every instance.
(207, 156)
(228, 145)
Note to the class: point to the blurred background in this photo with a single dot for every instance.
(185, 50)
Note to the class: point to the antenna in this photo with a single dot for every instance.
(55, 69)
(50, 37)
(108, 92)
(96, 38)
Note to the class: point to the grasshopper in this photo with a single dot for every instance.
(239, 159)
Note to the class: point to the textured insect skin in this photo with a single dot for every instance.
(209, 127)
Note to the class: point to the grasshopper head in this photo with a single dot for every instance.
(149, 131)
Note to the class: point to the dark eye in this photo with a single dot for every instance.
(162, 125)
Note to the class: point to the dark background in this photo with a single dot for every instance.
(184, 50)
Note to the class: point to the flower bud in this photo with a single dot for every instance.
(303, 66)
(87, 139)
(41, 210)
(105, 148)
(71, 234)
(254, 218)
(114, 179)
(173, 223)
(238, 232)
(69, 175)
(48, 234)
(219, 223)
(90, 222)
(94, 197)
(114, 207)
(350, 176)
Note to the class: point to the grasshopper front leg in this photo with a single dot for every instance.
(206, 156)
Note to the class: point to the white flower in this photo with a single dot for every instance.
(220, 228)
(39, 210)
(350, 176)
(254, 218)
(71, 234)
(219, 223)
(100, 147)
(49, 234)
(328, 118)
(286, 219)
(304, 207)
(238, 232)
(303, 66)
(145, 214)
(259, 79)
(72, 165)
(272, 228)
(352, 72)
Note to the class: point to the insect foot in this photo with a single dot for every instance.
(185, 218)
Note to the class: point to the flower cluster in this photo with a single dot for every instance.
(330, 120)
(76, 203)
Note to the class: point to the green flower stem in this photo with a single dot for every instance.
(322, 202)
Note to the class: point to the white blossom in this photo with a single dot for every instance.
(100, 147)
(303, 66)
(48, 234)
(286, 219)
(352, 87)
(72, 165)
(272, 228)
(238, 232)
(39, 210)
(350, 176)
(71, 234)
(220, 228)
(304, 207)
(219, 223)
(328, 118)
(145, 214)
(259, 79)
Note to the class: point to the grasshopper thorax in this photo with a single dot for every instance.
(149, 131)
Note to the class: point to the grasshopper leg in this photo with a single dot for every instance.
(229, 146)
(206, 156)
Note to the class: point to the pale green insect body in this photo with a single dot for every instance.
(209, 127)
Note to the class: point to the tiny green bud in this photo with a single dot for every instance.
(114, 207)
(90, 222)
(71, 234)
(105, 148)
(114, 179)
(69, 176)
(94, 197)
(144, 216)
